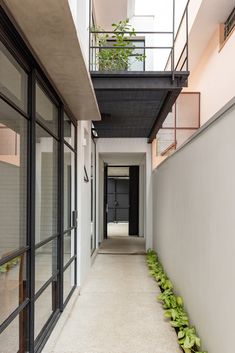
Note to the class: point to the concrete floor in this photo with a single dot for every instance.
(116, 312)
(118, 229)
(123, 245)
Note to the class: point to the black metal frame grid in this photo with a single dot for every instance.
(12, 38)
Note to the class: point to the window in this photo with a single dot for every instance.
(227, 28)
(32, 204)
(229, 24)
(14, 80)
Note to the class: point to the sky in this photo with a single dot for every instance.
(162, 10)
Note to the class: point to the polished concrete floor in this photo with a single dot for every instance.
(123, 245)
(116, 312)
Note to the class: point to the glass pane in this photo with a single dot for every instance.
(45, 263)
(46, 111)
(12, 338)
(165, 140)
(93, 209)
(12, 285)
(68, 280)
(69, 186)
(46, 185)
(68, 246)
(183, 135)
(170, 119)
(13, 179)
(44, 307)
(13, 79)
(69, 131)
(188, 110)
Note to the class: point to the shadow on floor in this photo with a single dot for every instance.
(123, 245)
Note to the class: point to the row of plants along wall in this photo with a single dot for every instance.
(174, 307)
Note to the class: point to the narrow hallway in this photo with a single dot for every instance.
(116, 312)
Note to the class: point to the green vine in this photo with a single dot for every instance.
(116, 59)
(174, 307)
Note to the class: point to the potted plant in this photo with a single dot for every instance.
(117, 58)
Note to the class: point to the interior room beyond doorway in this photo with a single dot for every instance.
(122, 201)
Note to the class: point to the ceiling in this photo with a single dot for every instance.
(135, 104)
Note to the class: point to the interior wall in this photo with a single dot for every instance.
(193, 226)
(214, 76)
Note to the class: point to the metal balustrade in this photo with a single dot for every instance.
(170, 56)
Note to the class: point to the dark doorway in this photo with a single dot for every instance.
(118, 199)
(121, 201)
(134, 201)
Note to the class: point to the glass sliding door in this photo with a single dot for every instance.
(14, 122)
(37, 199)
(70, 215)
(46, 210)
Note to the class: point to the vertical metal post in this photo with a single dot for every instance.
(187, 37)
(89, 48)
(173, 44)
(31, 208)
(60, 255)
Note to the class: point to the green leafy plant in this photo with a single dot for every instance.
(121, 44)
(9, 265)
(174, 306)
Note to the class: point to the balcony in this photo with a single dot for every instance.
(138, 81)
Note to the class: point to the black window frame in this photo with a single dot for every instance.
(15, 43)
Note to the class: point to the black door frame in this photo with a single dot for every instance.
(15, 43)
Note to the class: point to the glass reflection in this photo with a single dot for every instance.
(46, 185)
(13, 179)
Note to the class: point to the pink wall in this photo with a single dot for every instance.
(214, 76)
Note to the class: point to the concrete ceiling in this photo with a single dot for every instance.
(210, 14)
(122, 159)
(50, 31)
(109, 11)
(135, 104)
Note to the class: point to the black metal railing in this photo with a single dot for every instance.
(171, 56)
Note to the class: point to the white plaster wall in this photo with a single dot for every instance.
(83, 201)
(128, 146)
(194, 202)
(80, 13)
(214, 76)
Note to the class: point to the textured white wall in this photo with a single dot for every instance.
(84, 201)
(194, 223)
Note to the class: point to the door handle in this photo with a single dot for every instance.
(107, 208)
(74, 218)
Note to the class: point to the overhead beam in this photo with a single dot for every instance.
(164, 111)
(131, 80)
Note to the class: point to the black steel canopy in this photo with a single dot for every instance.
(135, 104)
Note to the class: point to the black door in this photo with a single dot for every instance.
(118, 200)
(134, 200)
(105, 199)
